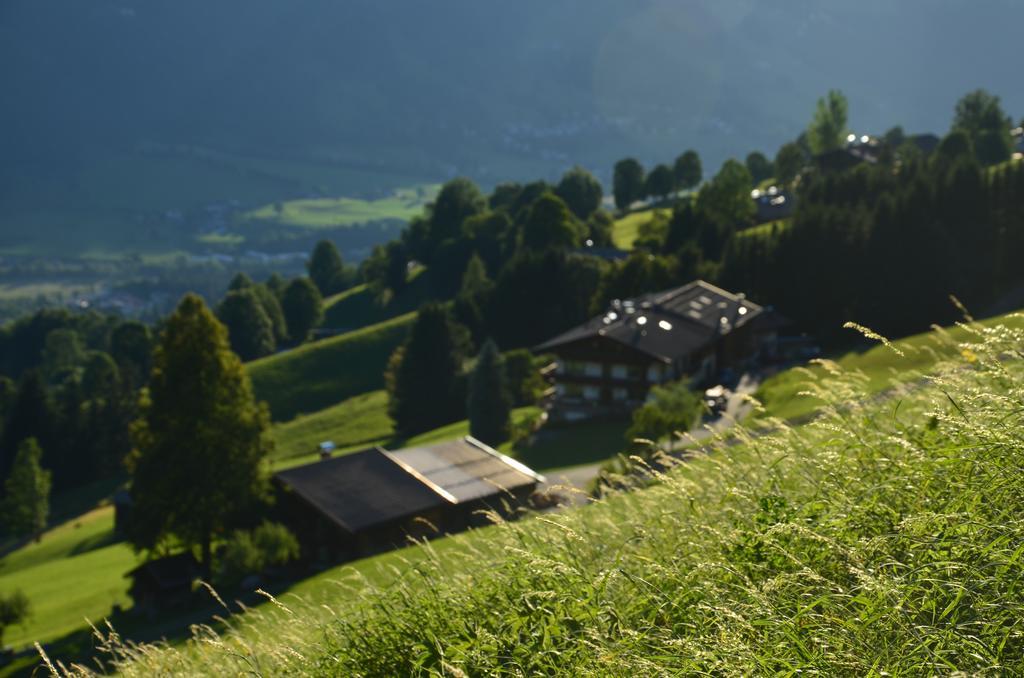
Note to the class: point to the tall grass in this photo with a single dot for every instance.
(884, 538)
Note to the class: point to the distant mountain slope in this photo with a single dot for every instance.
(493, 90)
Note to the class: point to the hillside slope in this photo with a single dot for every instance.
(323, 373)
(882, 538)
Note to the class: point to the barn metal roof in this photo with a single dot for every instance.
(464, 470)
(375, 486)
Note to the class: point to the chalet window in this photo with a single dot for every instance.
(620, 394)
(593, 370)
(571, 390)
(574, 368)
(654, 373)
(620, 372)
(591, 393)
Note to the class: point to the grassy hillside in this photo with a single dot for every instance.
(75, 572)
(881, 540)
(360, 306)
(626, 230)
(324, 373)
(783, 394)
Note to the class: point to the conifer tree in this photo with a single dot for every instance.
(202, 439)
(687, 171)
(423, 380)
(26, 504)
(628, 182)
(302, 307)
(325, 268)
(488, 402)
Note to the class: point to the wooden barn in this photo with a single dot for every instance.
(359, 504)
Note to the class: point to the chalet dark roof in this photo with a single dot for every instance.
(666, 325)
(374, 487)
(466, 469)
(361, 490)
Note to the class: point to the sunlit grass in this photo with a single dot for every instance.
(626, 230)
(783, 394)
(881, 539)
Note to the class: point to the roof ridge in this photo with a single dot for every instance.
(508, 461)
(437, 489)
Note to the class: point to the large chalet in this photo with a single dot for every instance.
(607, 365)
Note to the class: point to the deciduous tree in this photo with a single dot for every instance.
(550, 224)
(669, 408)
(789, 161)
(660, 182)
(202, 440)
(828, 126)
(459, 199)
(687, 170)
(250, 331)
(14, 609)
(580, 191)
(981, 116)
(760, 167)
(726, 198)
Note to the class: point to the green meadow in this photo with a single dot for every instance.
(626, 229)
(326, 372)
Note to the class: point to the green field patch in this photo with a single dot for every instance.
(318, 213)
(221, 239)
(324, 373)
(626, 230)
(358, 421)
(76, 571)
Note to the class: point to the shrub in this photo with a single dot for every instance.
(254, 552)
